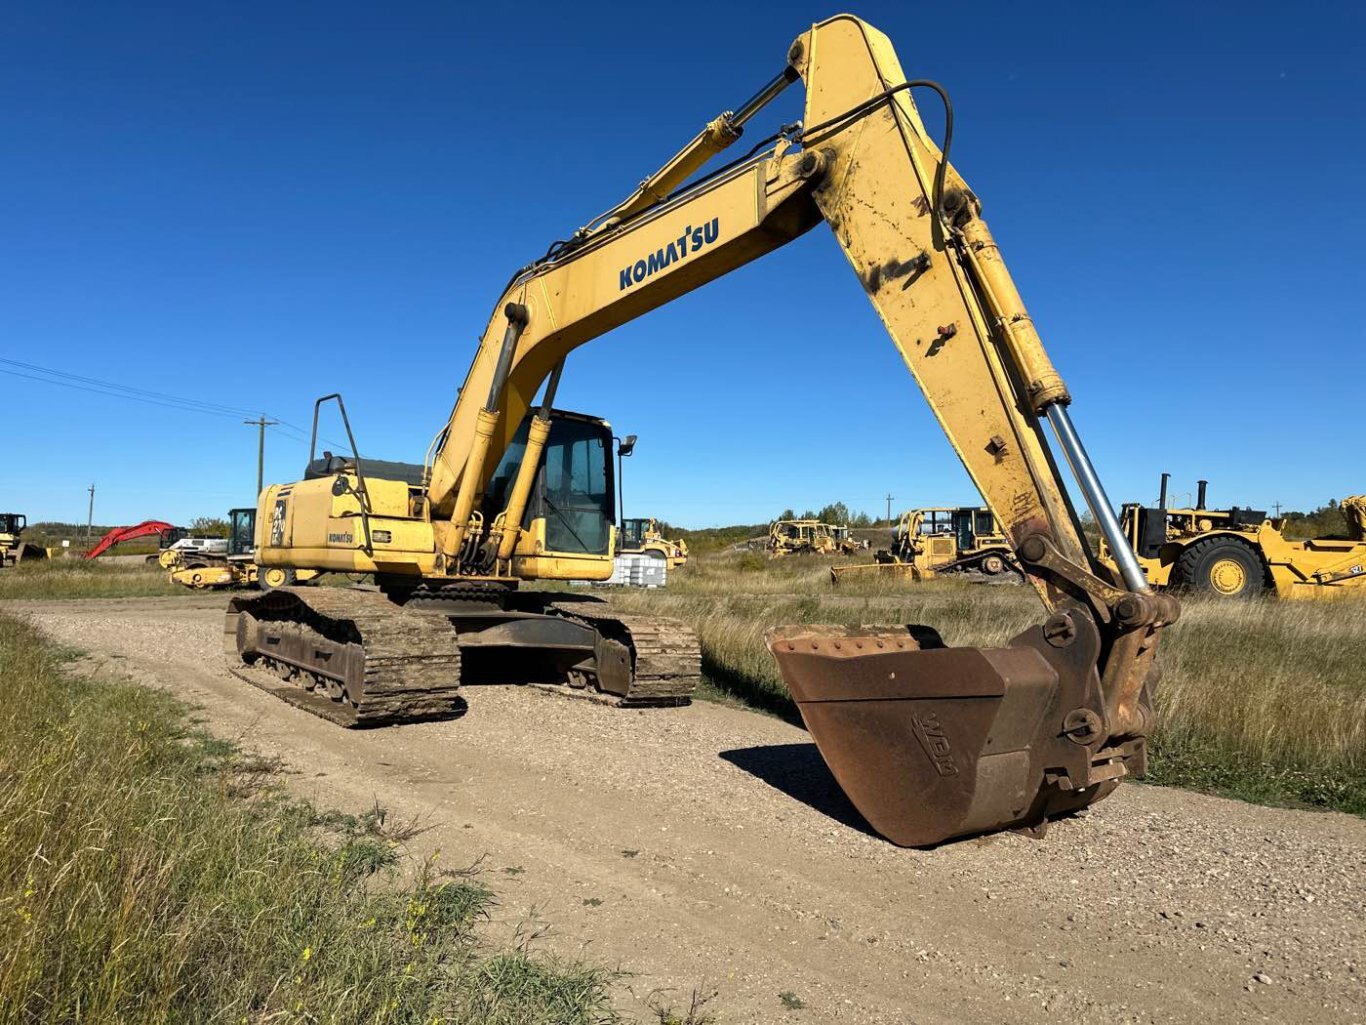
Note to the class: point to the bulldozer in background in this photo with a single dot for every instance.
(13, 549)
(1241, 553)
(939, 540)
(809, 537)
(845, 542)
(641, 536)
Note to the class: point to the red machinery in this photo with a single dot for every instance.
(120, 534)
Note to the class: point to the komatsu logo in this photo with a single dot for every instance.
(687, 243)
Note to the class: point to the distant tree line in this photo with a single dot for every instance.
(1325, 521)
(51, 533)
(835, 512)
(712, 538)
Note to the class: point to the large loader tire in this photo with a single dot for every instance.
(1222, 567)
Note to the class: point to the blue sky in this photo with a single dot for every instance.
(254, 204)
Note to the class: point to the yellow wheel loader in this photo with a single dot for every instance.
(1241, 553)
(929, 741)
(642, 537)
(13, 549)
(938, 540)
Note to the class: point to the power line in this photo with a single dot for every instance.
(128, 390)
(115, 395)
(111, 389)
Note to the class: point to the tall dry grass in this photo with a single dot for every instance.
(77, 578)
(1267, 698)
(1262, 699)
(147, 877)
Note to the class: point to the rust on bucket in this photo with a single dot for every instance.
(932, 742)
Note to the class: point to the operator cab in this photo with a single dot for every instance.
(970, 524)
(632, 533)
(168, 538)
(13, 523)
(575, 488)
(932, 521)
(242, 532)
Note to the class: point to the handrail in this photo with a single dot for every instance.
(361, 491)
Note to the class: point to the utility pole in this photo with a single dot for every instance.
(1278, 509)
(90, 516)
(261, 423)
(889, 508)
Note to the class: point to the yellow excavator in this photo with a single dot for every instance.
(929, 741)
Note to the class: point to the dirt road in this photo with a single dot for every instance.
(709, 847)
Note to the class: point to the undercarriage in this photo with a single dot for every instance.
(366, 657)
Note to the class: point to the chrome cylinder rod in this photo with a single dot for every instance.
(1096, 498)
(763, 97)
(516, 314)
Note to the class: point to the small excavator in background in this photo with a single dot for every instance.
(13, 549)
(1241, 553)
(940, 540)
(928, 741)
(159, 529)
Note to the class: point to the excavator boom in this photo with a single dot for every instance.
(929, 741)
(119, 535)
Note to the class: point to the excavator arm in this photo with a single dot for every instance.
(121, 534)
(912, 232)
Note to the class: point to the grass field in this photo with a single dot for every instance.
(151, 874)
(76, 578)
(1263, 700)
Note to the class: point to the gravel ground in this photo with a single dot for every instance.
(708, 848)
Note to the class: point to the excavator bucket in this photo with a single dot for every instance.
(931, 742)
